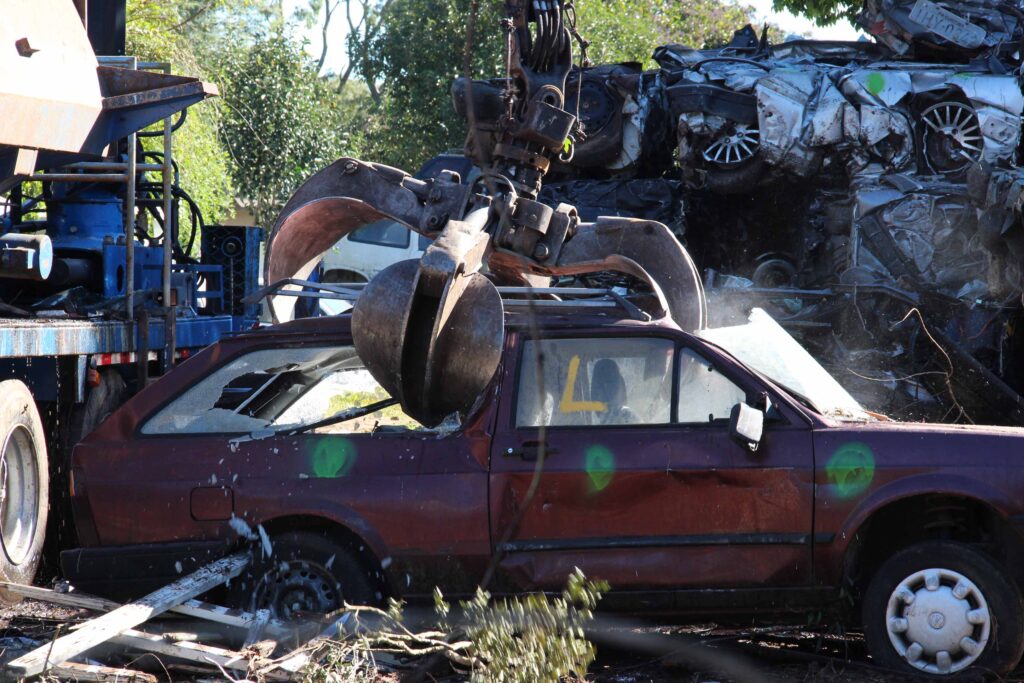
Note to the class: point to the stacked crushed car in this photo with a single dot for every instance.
(858, 180)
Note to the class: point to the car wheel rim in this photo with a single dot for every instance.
(938, 621)
(19, 491)
(298, 586)
(737, 147)
(952, 137)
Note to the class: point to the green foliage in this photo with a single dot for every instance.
(821, 12)
(282, 123)
(392, 415)
(416, 56)
(528, 639)
(533, 639)
(625, 30)
(201, 158)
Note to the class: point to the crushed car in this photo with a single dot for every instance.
(715, 474)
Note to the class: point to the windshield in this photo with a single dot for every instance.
(763, 345)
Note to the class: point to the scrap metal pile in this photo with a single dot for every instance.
(867, 193)
(843, 185)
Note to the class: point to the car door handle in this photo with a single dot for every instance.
(530, 450)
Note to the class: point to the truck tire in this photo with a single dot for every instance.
(944, 610)
(24, 483)
(307, 572)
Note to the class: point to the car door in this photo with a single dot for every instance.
(228, 450)
(642, 485)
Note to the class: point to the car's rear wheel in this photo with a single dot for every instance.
(944, 609)
(309, 572)
(24, 483)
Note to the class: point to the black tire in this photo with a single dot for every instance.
(739, 179)
(24, 483)
(307, 572)
(940, 615)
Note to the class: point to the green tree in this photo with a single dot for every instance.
(413, 60)
(153, 34)
(821, 12)
(281, 122)
(625, 30)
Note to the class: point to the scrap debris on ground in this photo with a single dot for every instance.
(776, 654)
(89, 638)
(169, 635)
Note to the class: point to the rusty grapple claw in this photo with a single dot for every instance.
(431, 331)
(435, 355)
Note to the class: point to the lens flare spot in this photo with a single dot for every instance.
(851, 469)
(333, 457)
(600, 464)
(875, 83)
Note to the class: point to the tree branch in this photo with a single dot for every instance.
(203, 9)
(328, 11)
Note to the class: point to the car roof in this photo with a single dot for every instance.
(569, 318)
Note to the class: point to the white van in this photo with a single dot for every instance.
(363, 253)
(360, 255)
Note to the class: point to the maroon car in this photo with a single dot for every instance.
(695, 480)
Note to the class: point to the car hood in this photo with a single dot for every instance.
(922, 446)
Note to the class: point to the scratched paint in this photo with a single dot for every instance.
(600, 467)
(851, 469)
(333, 457)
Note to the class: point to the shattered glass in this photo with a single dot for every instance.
(278, 388)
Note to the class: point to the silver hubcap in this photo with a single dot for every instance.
(19, 494)
(938, 621)
(735, 148)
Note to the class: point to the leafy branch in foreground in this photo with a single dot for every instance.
(515, 640)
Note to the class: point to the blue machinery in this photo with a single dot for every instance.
(91, 271)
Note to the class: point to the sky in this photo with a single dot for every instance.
(335, 62)
(841, 30)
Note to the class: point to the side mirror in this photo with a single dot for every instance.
(746, 425)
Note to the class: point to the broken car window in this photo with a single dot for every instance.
(765, 346)
(277, 388)
(705, 394)
(596, 382)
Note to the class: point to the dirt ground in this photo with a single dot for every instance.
(659, 654)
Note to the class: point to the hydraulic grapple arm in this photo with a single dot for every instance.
(430, 331)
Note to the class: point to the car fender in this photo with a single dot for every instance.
(932, 483)
(348, 519)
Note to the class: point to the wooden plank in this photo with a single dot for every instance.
(73, 671)
(128, 616)
(191, 608)
(188, 651)
(299, 658)
(259, 625)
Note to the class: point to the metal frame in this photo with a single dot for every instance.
(529, 297)
(126, 172)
